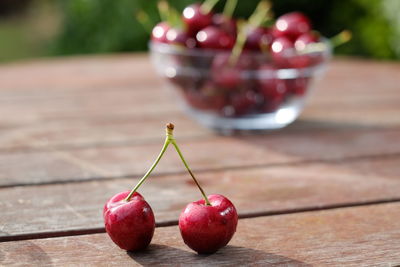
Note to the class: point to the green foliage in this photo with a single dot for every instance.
(96, 26)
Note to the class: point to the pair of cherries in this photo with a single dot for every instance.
(206, 225)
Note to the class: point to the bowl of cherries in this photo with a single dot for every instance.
(239, 74)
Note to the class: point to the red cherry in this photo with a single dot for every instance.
(195, 19)
(298, 86)
(208, 98)
(205, 229)
(213, 98)
(279, 51)
(258, 39)
(292, 25)
(130, 224)
(243, 102)
(306, 38)
(309, 59)
(159, 32)
(179, 37)
(212, 37)
(272, 89)
(223, 74)
(195, 99)
(225, 23)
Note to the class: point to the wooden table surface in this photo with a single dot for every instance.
(75, 131)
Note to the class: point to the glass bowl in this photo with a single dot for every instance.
(258, 92)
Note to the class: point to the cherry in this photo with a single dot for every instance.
(292, 25)
(306, 38)
(205, 228)
(280, 49)
(243, 102)
(177, 36)
(208, 224)
(227, 76)
(272, 89)
(212, 37)
(195, 18)
(258, 39)
(225, 23)
(159, 32)
(223, 74)
(213, 99)
(207, 98)
(297, 86)
(302, 44)
(129, 223)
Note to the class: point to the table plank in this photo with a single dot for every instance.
(205, 153)
(367, 236)
(276, 189)
(115, 91)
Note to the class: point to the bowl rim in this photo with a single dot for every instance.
(174, 49)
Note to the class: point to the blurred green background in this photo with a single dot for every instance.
(37, 28)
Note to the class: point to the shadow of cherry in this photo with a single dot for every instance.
(228, 256)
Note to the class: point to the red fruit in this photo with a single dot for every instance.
(178, 37)
(308, 59)
(259, 38)
(223, 74)
(306, 38)
(292, 25)
(281, 51)
(206, 99)
(212, 37)
(297, 86)
(206, 229)
(195, 19)
(213, 98)
(130, 224)
(243, 102)
(271, 105)
(159, 32)
(272, 89)
(225, 23)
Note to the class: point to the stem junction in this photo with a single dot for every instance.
(169, 139)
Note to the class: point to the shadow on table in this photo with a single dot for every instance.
(305, 125)
(228, 256)
(314, 139)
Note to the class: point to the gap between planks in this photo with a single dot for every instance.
(208, 170)
(96, 230)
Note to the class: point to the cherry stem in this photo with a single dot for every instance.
(172, 141)
(143, 18)
(229, 8)
(207, 6)
(164, 148)
(240, 41)
(169, 14)
(163, 10)
(256, 19)
(341, 38)
(260, 14)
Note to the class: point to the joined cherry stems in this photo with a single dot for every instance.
(169, 139)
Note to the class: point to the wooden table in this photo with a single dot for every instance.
(75, 131)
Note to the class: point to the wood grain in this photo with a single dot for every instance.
(205, 153)
(255, 191)
(75, 131)
(114, 92)
(358, 236)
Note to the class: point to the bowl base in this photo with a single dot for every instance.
(280, 118)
